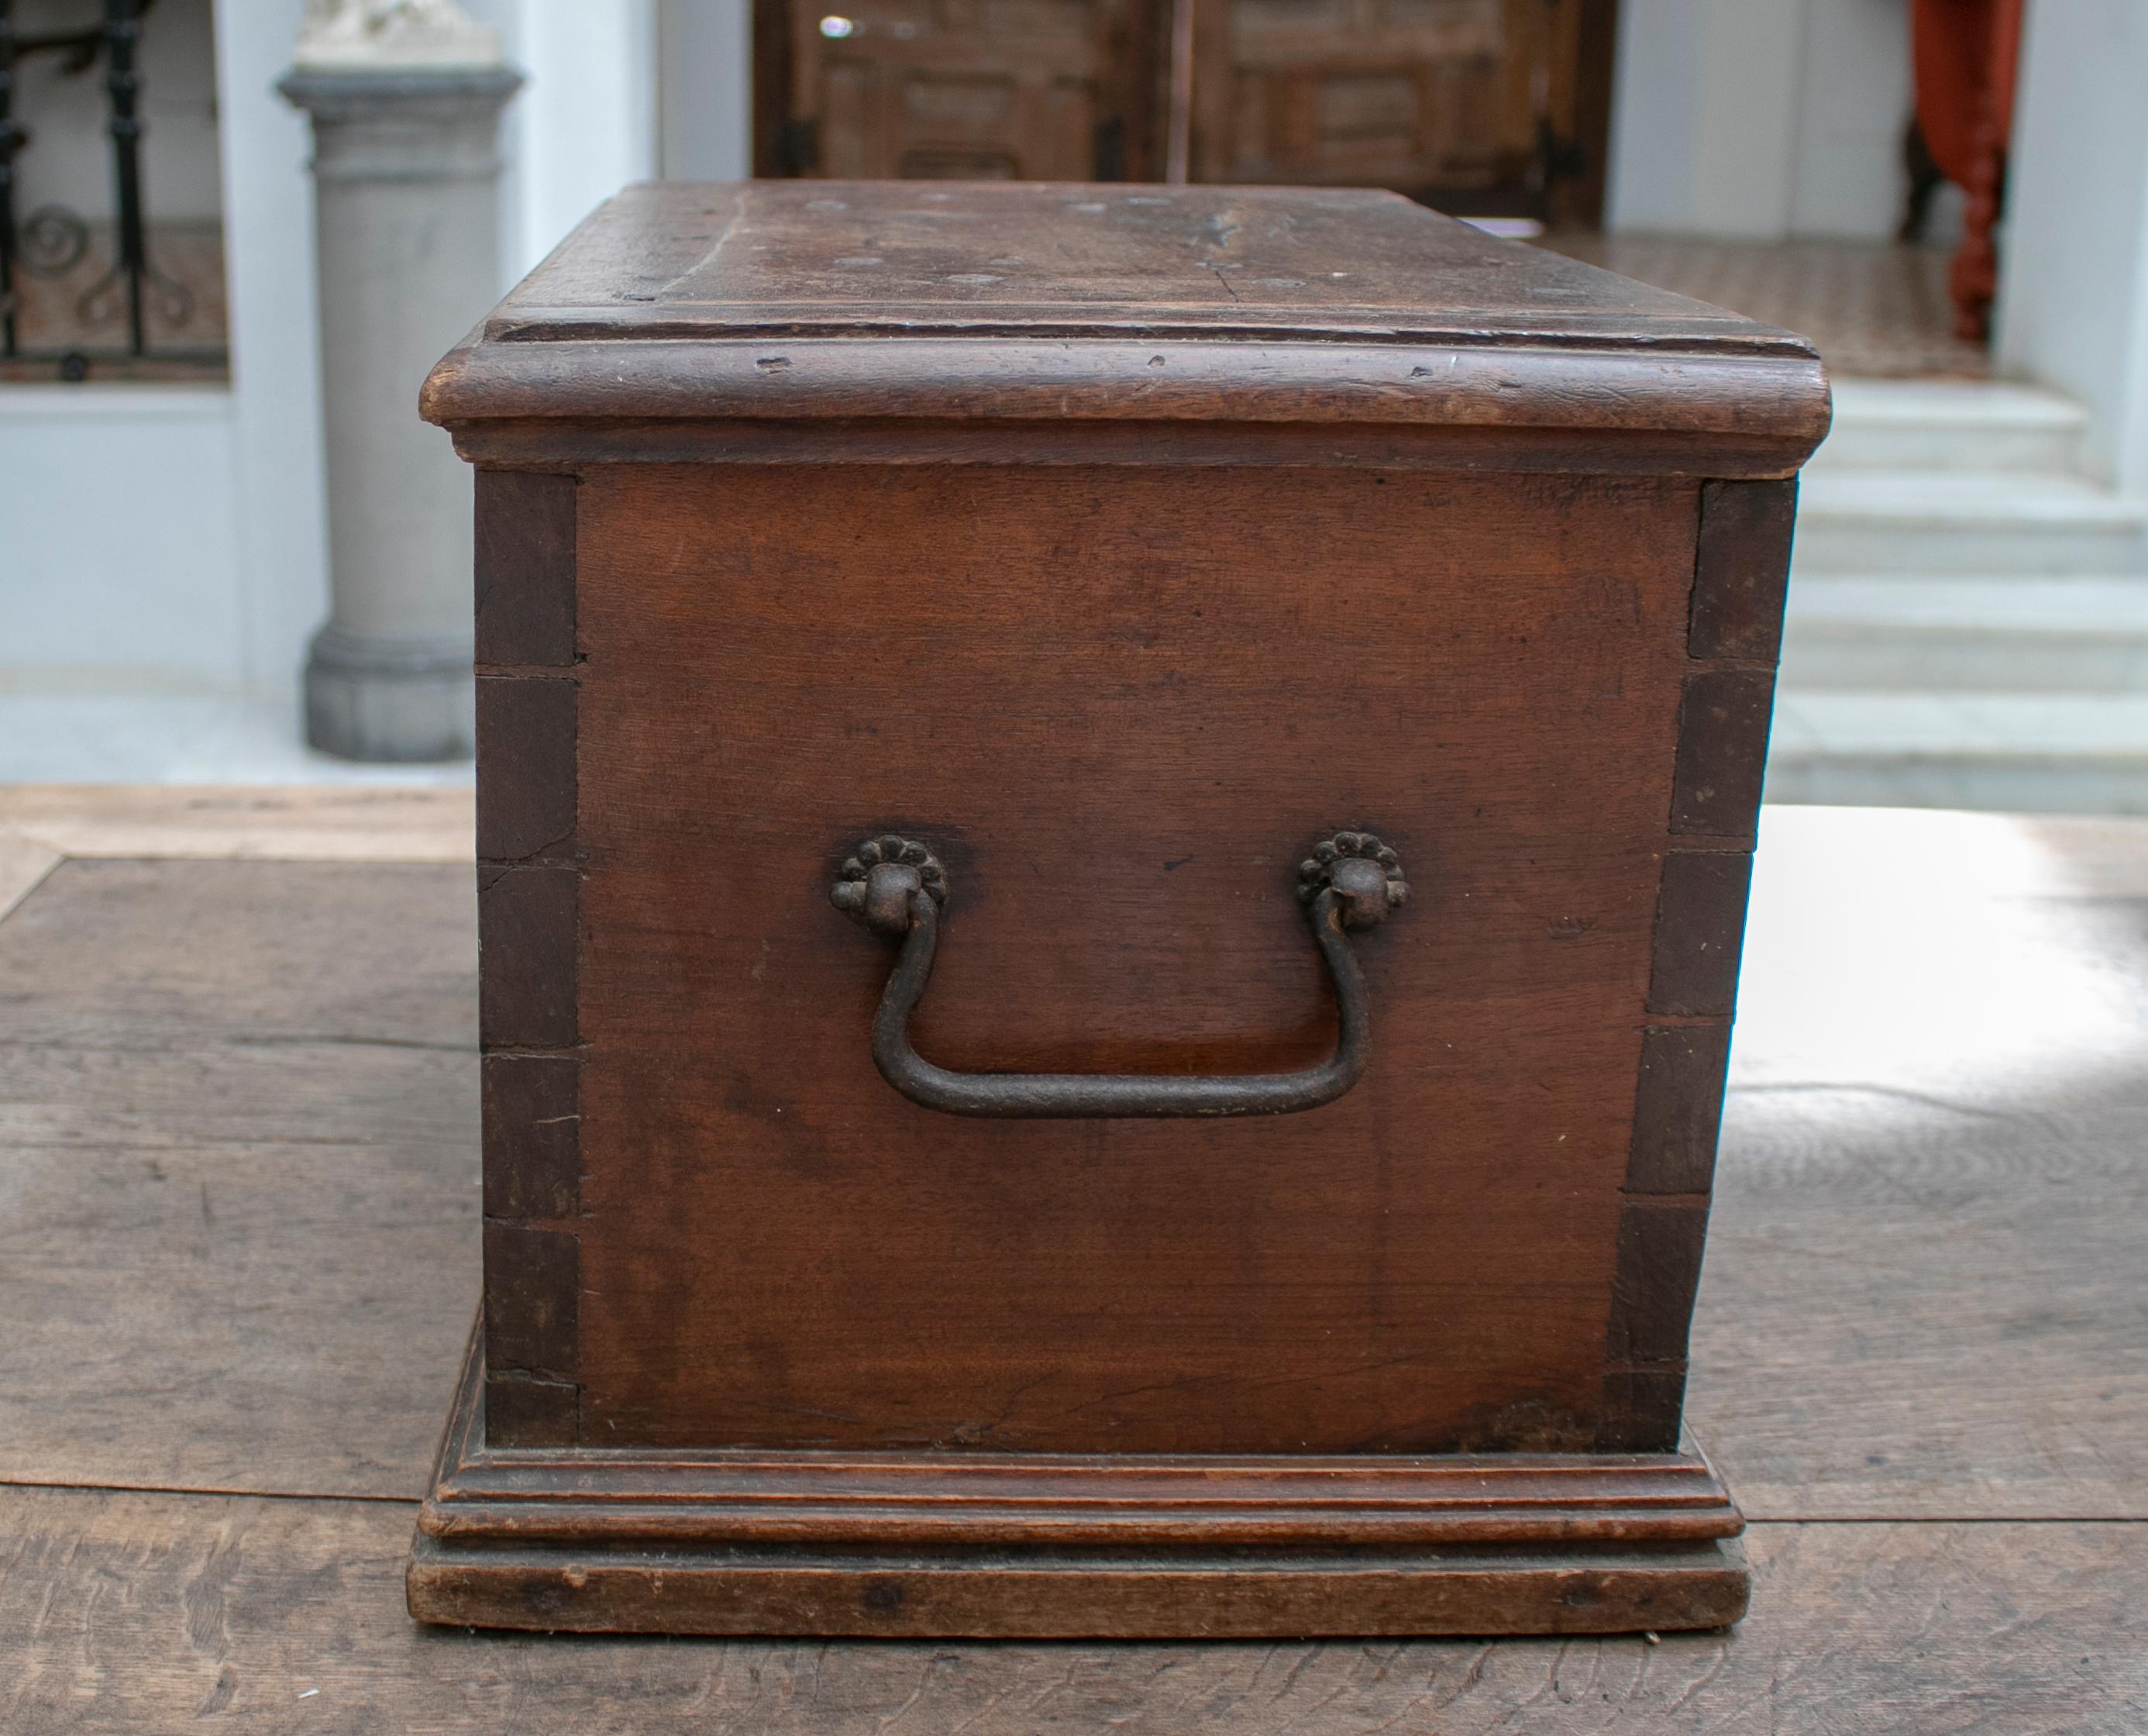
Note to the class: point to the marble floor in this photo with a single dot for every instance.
(1874, 308)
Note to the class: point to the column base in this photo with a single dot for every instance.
(396, 701)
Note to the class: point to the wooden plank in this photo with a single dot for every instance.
(1922, 1295)
(525, 741)
(528, 882)
(24, 861)
(1699, 926)
(526, 569)
(103, 1100)
(1678, 1109)
(528, 921)
(1722, 751)
(123, 1613)
(269, 1317)
(1741, 568)
(1924, 1307)
(294, 825)
(129, 954)
(237, 1173)
(532, 1158)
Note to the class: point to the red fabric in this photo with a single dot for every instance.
(1965, 53)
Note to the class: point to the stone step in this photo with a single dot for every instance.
(1950, 425)
(1927, 634)
(2041, 753)
(1852, 521)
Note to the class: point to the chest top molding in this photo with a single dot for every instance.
(790, 302)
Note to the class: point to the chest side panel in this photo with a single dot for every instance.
(1120, 705)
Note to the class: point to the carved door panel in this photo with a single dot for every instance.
(1468, 104)
(1474, 106)
(1031, 90)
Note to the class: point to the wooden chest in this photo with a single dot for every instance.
(1103, 604)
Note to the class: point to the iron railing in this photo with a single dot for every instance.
(50, 241)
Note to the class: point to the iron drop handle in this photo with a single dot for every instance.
(896, 887)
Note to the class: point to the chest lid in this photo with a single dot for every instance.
(1038, 302)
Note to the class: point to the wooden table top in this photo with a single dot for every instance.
(239, 1218)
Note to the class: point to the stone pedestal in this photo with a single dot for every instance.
(406, 170)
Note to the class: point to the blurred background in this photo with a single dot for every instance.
(1949, 195)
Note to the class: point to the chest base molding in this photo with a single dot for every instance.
(918, 1544)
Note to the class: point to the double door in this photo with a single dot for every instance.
(1474, 106)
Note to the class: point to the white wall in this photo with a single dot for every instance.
(278, 491)
(175, 538)
(1854, 100)
(585, 123)
(1758, 119)
(705, 49)
(170, 538)
(2073, 303)
(120, 567)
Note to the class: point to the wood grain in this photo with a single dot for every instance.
(149, 955)
(532, 1165)
(1723, 751)
(526, 569)
(237, 1138)
(1121, 775)
(202, 822)
(24, 861)
(1971, 1346)
(529, 917)
(1700, 927)
(1038, 1545)
(1741, 568)
(667, 435)
(233, 1608)
(751, 258)
(1931, 1190)
(525, 748)
(1678, 1108)
(529, 902)
(993, 322)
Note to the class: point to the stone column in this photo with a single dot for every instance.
(405, 101)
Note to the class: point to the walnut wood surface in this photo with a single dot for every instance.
(1121, 775)
(529, 905)
(1243, 1594)
(1025, 92)
(1014, 1545)
(890, 323)
(759, 257)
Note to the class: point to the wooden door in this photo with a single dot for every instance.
(1473, 106)
(973, 90)
(1477, 107)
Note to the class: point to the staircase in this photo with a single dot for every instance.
(1968, 619)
